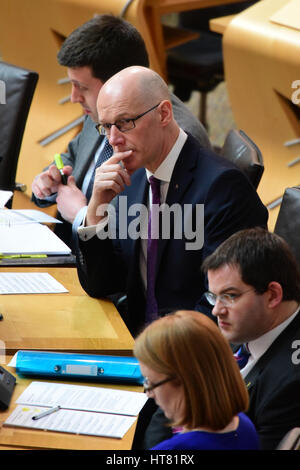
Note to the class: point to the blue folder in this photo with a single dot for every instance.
(79, 366)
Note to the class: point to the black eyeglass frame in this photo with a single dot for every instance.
(149, 388)
(102, 131)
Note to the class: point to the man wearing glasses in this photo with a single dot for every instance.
(92, 53)
(254, 289)
(254, 284)
(135, 112)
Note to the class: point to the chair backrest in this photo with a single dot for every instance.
(198, 20)
(291, 441)
(244, 153)
(18, 86)
(288, 220)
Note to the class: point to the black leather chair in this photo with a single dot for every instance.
(198, 64)
(18, 86)
(288, 220)
(244, 153)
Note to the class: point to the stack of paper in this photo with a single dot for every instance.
(30, 238)
(25, 216)
(30, 283)
(5, 197)
(83, 409)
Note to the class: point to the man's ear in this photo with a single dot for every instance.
(166, 112)
(274, 294)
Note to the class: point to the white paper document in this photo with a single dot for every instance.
(84, 409)
(5, 197)
(13, 361)
(32, 238)
(30, 283)
(25, 216)
(76, 422)
(83, 397)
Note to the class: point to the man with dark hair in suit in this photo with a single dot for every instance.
(254, 288)
(203, 194)
(254, 283)
(93, 53)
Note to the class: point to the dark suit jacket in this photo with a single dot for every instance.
(274, 388)
(199, 177)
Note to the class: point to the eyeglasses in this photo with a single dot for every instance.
(148, 387)
(225, 299)
(123, 125)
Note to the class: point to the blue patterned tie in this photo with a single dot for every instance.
(242, 356)
(153, 233)
(105, 154)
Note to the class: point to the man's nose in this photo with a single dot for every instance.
(219, 308)
(116, 137)
(76, 96)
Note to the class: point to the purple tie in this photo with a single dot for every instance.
(153, 234)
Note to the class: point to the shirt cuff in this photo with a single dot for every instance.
(80, 217)
(86, 233)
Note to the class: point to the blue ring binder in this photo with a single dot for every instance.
(78, 366)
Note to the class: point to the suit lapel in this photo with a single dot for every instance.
(251, 377)
(182, 178)
(137, 193)
(182, 175)
(86, 151)
(284, 337)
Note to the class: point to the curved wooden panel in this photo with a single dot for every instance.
(262, 62)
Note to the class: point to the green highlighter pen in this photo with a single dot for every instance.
(59, 164)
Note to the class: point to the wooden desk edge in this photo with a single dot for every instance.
(218, 25)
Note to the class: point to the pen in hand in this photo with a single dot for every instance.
(59, 164)
(46, 413)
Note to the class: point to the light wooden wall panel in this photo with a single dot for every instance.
(262, 60)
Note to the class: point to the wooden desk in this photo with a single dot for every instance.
(261, 58)
(17, 438)
(63, 322)
(218, 25)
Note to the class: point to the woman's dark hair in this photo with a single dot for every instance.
(105, 43)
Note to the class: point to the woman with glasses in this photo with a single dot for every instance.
(191, 374)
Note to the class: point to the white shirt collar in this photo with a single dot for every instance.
(165, 169)
(259, 346)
